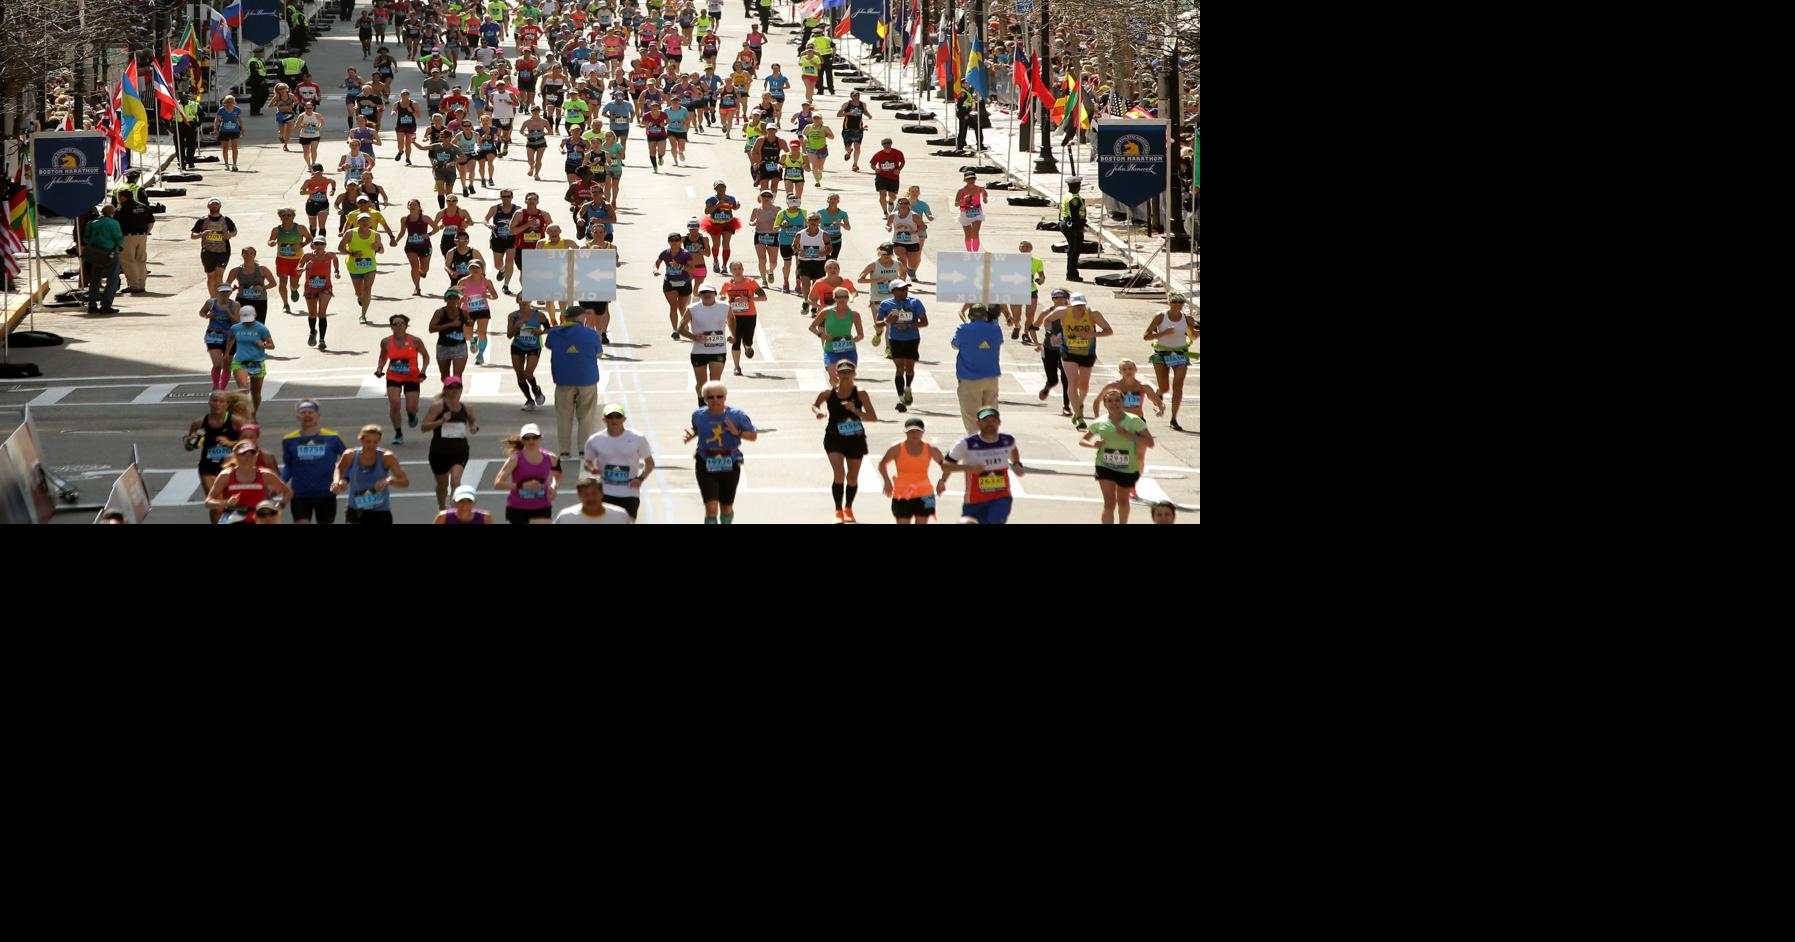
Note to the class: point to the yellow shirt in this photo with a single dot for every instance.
(546, 244)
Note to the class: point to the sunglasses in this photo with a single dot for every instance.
(715, 397)
(530, 438)
(267, 513)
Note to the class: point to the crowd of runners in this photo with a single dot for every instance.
(456, 88)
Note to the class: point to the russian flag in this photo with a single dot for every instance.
(233, 14)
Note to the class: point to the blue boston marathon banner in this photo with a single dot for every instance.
(69, 170)
(1131, 159)
(261, 21)
(866, 15)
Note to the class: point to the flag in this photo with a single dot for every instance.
(844, 27)
(975, 69)
(10, 246)
(108, 122)
(1070, 87)
(810, 9)
(1138, 112)
(1038, 82)
(222, 39)
(880, 29)
(21, 214)
(136, 129)
(180, 57)
(233, 14)
(833, 4)
(1019, 78)
(165, 95)
(912, 35)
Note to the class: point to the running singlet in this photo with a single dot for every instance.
(289, 242)
(790, 221)
(992, 480)
(1081, 333)
(402, 361)
(721, 209)
(362, 478)
(912, 480)
(361, 251)
(529, 487)
(317, 274)
(741, 297)
(838, 333)
(218, 327)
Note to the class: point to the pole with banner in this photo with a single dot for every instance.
(1133, 163)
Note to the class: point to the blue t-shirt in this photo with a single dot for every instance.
(894, 323)
(713, 439)
(977, 342)
(676, 119)
(619, 112)
(247, 335)
(573, 352)
(308, 461)
(777, 84)
(832, 219)
(489, 33)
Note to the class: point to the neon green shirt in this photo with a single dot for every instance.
(1115, 451)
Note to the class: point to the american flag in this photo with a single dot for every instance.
(10, 246)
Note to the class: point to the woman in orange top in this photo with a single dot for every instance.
(912, 496)
(402, 361)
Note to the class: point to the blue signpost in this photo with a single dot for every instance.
(69, 170)
(1131, 159)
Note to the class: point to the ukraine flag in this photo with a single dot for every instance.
(136, 120)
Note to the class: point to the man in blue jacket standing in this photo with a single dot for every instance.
(976, 365)
(573, 361)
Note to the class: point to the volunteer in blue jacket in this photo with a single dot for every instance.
(573, 362)
(976, 366)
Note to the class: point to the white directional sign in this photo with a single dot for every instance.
(984, 277)
(594, 274)
(570, 275)
(547, 275)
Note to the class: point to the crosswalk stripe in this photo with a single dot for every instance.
(154, 394)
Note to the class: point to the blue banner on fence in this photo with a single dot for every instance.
(69, 170)
(866, 15)
(1131, 159)
(261, 21)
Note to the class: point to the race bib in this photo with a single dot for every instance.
(449, 231)
(503, 231)
(1131, 400)
(850, 427)
(738, 305)
(316, 281)
(1176, 359)
(414, 238)
(616, 474)
(888, 166)
(289, 251)
(993, 481)
(253, 293)
(366, 500)
(905, 236)
(454, 429)
(928, 501)
(360, 266)
(677, 281)
(476, 304)
(399, 367)
(812, 252)
(973, 212)
(214, 236)
(230, 127)
(765, 238)
(1113, 458)
(252, 367)
(311, 451)
(841, 345)
(532, 490)
(455, 336)
(218, 452)
(214, 338)
(719, 464)
(906, 317)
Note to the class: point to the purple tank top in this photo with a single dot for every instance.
(480, 516)
(529, 483)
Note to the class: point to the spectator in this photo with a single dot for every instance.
(573, 351)
(101, 242)
(976, 365)
(136, 220)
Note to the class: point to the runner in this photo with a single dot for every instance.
(1121, 441)
(840, 329)
(888, 165)
(592, 507)
(907, 232)
(1052, 346)
(835, 219)
(720, 222)
(706, 324)
(720, 431)
(655, 127)
(253, 279)
(729, 101)
(252, 433)
(811, 247)
(880, 273)
(697, 246)
(678, 117)
(920, 207)
(912, 497)
(212, 435)
(454, 324)
(817, 136)
(215, 232)
(554, 85)
(227, 124)
(286, 109)
(741, 292)
(241, 485)
(844, 438)
(417, 229)
(1022, 321)
(464, 511)
(318, 268)
(532, 475)
(525, 328)
(790, 220)
(362, 244)
(792, 170)
(220, 313)
(1082, 326)
(488, 135)
(311, 454)
(621, 459)
(247, 348)
(535, 141)
(903, 316)
(287, 239)
(971, 200)
(477, 295)
(853, 131)
(403, 361)
(987, 457)
(460, 260)
(449, 422)
(1171, 332)
(676, 286)
(368, 474)
(442, 164)
(776, 83)
(765, 218)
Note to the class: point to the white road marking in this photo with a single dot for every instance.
(270, 388)
(51, 396)
(925, 383)
(154, 394)
(483, 384)
(115, 379)
(372, 387)
(812, 379)
(178, 489)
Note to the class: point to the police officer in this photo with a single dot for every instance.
(130, 186)
(1072, 224)
(187, 130)
(258, 82)
(292, 68)
(812, 24)
(136, 219)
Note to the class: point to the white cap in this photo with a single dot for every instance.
(530, 429)
(1078, 297)
(465, 492)
(247, 317)
(899, 283)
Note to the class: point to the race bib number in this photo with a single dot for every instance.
(366, 500)
(719, 464)
(1176, 359)
(841, 345)
(316, 281)
(253, 294)
(503, 231)
(677, 281)
(311, 451)
(906, 317)
(252, 367)
(850, 427)
(414, 239)
(399, 367)
(992, 482)
(1131, 400)
(214, 338)
(476, 304)
(905, 237)
(532, 490)
(449, 231)
(361, 266)
(218, 453)
(738, 305)
(289, 251)
(454, 429)
(812, 252)
(1113, 458)
(888, 166)
(616, 474)
(214, 236)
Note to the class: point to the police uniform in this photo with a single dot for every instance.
(1072, 222)
(187, 132)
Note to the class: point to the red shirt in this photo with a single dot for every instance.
(889, 155)
(655, 124)
(741, 292)
(531, 224)
(453, 102)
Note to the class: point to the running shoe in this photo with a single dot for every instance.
(529, 405)
(901, 407)
(411, 421)
(840, 518)
(908, 398)
(1043, 393)
(1078, 422)
(1176, 427)
(479, 359)
(322, 348)
(541, 397)
(749, 351)
(675, 335)
(398, 438)
(507, 288)
(849, 513)
(311, 339)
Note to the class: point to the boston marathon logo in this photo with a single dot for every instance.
(68, 165)
(1131, 153)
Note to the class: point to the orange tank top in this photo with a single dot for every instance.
(402, 362)
(912, 479)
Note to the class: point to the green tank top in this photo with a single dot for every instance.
(838, 333)
(289, 241)
(814, 136)
(361, 251)
(1114, 451)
